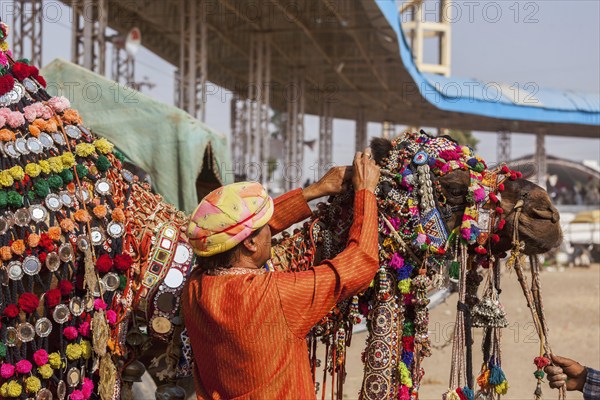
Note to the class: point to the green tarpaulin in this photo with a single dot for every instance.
(163, 140)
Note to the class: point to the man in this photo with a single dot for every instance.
(248, 326)
(575, 376)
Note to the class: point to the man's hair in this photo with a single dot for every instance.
(224, 259)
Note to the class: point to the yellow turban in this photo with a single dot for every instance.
(227, 216)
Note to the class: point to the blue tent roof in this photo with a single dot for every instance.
(492, 99)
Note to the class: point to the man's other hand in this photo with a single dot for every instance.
(365, 172)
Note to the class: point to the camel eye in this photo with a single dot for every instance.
(457, 191)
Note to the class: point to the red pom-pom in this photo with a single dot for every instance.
(493, 197)
(408, 343)
(42, 256)
(501, 223)
(46, 242)
(65, 287)
(541, 362)
(28, 302)
(104, 263)
(501, 187)
(41, 80)
(53, 297)
(519, 174)
(7, 82)
(505, 169)
(495, 238)
(499, 210)
(513, 176)
(21, 70)
(480, 250)
(123, 262)
(441, 251)
(11, 311)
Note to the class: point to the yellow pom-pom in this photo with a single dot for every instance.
(17, 172)
(33, 170)
(73, 351)
(103, 146)
(84, 149)
(45, 371)
(6, 179)
(404, 285)
(502, 388)
(4, 389)
(55, 164)
(45, 166)
(68, 159)
(4, 46)
(405, 375)
(86, 349)
(33, 384)
(452, 395)
(14, 389)
(54, 360)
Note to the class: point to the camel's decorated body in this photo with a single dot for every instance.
(93, 263)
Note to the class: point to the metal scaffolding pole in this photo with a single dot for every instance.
(123, 66)
(191, 75)
(503, 147)
(27, 30)
(325, 138)
(361, 130)
(295, 127)
(259, 102)
(88, 34)
(239, 124)
(540, 157)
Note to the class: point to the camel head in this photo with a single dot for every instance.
(538, 220)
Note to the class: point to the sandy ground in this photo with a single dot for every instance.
(572, 307)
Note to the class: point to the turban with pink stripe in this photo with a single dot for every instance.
(227, 216)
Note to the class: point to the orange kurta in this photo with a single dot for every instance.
(248, 331)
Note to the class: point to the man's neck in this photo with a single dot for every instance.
(245, 262)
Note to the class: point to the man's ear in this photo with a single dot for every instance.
(250, 244)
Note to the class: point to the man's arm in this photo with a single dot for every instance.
(307, 296)
(290, 208)
(293, 206)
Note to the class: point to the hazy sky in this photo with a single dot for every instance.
(553, 43)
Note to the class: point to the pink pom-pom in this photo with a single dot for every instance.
(29, 113)
(421, 238)
(2, 120)
(46, 112)
(397, 261)
(24, 367)
(466, 233)
(5, 112)
(40, 357)
(99, 304)
(7, 370)
(404, 394)
(87, 387)
(501, 224)
(15, 119)
(84, 329)
(70, 333)
(479, 195)
(111, 317)
(76, 395)
(59, 104)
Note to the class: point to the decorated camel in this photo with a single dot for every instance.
(93, 263)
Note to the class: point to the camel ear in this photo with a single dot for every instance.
(380, 148)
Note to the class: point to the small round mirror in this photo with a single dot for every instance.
(11, 336)
(103, 187)
(53, 202)
(37, 213)
(52, 261)
(46, 140)
(111, 281)
(31, 265)
(22, 217)
(66, 198)
(34, 145)
(65, 252)
(182, 254)
(61, 314)
(43, 327)
(25, 332)
(174, 278)
(76, 306)
(115, 229)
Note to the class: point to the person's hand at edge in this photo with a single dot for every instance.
(566, 372)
